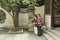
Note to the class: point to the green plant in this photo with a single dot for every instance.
(13, 6)
(46, 28)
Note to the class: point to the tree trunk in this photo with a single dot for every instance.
(16, 21)
(16, 18)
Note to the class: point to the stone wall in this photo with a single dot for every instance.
(8, 22)
(23, 17)
(40, 10)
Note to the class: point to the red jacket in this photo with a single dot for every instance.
(39, 21)
(35, 22)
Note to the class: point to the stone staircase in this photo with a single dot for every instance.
(47, 37)
(52, 35)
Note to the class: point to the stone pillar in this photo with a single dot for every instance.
(48, 12)
(31, 17)
(48, 21)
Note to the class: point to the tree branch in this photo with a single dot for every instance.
(10, 14)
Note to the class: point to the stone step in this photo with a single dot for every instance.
(9, 31)
(53, 35)
(4, 30)
(15, 32)
(55, 32)
(47, 37)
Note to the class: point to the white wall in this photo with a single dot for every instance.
(40, 10)
(8, 21)
(23, 17)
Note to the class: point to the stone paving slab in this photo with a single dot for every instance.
(48, 37)
(24, 36)
(53, 35)
(9, 31)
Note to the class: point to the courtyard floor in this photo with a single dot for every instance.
(24, 36)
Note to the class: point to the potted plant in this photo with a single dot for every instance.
(24, 6)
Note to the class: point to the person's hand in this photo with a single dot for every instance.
(39, 23)
(34, 23)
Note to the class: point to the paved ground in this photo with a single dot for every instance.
(24, 36)
(50, 35)
(57, 29)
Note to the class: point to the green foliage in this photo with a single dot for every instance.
(8, 3)
(34, 2)
(27, 2)
(12, 3)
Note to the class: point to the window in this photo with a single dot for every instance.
(56, 7)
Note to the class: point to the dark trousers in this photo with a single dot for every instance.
(39, 31)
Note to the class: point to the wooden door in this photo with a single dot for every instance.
(56, 13)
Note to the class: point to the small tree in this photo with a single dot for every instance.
(12, 5)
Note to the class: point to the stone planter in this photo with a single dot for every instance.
(23, 10)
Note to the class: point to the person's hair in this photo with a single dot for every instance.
(39, 15)
(36, 16)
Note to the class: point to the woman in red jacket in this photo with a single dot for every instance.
(39, 24)
(35, 25)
